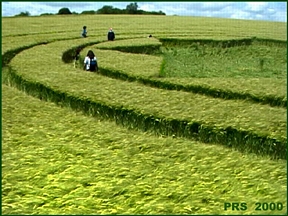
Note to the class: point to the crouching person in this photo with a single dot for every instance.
(90, 62)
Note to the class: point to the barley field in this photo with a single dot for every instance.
(185, 122)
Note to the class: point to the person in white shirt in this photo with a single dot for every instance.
(90, 62)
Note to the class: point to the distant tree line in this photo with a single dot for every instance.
(132, 8)
(22, 14)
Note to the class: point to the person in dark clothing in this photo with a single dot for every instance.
(77, 55)
(84, 32)
(90, 62)
(111, 35)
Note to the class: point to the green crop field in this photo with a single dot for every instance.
(180, 123)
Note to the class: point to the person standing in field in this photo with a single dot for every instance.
(77, 56)
(90, 62)
(111, 35)
(84, 32)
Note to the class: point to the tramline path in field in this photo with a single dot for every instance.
(234, 123)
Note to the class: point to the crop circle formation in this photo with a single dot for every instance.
(226, 93)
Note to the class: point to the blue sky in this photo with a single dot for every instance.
(271, 11)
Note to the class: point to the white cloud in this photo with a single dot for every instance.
(13, 8)
(256, 6)
(147, 7)
(280, 16)
(240, 15)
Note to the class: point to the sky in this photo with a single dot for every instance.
(269, 11)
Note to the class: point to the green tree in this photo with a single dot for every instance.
(132, 8)
(22, 14)
(46, 14)
(89, 12)
(119, 11)
(105, 10)
(64, 11)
